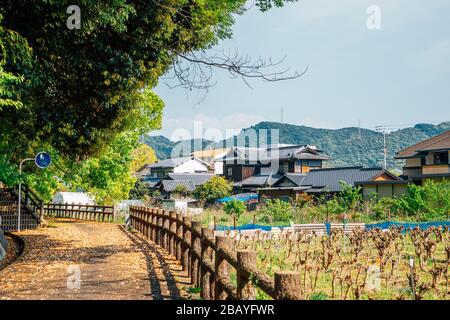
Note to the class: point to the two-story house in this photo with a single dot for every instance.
(244, 162)
(428, 159)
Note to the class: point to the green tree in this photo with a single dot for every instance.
(349, 197)
(234, 208)
(427, 202)
(276, 210)
(142, 156)
(86, 86)
(80, 91)
(13, 48)
(181, 191)
(217, 187)
(385, 207)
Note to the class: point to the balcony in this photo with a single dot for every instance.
(436, 169)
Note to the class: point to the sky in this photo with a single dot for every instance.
(395, 74)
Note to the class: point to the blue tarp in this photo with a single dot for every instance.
(249, 226)
(382, 225)
(241, 197)
(408, 225)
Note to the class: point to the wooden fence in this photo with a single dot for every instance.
(80, 211)
(208, 260)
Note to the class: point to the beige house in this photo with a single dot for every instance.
(428, 159)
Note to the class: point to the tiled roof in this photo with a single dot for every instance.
(439, 142)
(297, 178)
(170, 185)
(169, 163)
(261, 180)
(329, 178)
(262, 154)
(196, 178)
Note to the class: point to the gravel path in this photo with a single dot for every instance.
(112, 262)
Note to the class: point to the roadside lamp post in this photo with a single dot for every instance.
(42, 160)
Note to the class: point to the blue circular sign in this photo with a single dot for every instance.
(43, 160)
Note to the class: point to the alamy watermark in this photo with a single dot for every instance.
(73, 277)
(74, 20)
(374, 17)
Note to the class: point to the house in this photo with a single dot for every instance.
(188, 164)
(188, 181)
(213, 157)
(427, 160)
(184, 206)
(244, 162)
(169, 187)
(327, 181)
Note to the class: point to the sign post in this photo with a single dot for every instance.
(42, 160)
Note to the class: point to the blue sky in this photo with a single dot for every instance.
(397, 75)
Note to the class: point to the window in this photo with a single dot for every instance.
(440, 158)
(229, 172)
(284, 167)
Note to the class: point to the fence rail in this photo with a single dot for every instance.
(79, 211)
(208, 260)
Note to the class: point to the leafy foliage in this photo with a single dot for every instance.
(15, 48)
(350, 197)
(430, 201)
(234, 208)
(217, 187)
(181, 191)
(142, 156)
(276, 210)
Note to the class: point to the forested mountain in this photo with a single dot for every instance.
(346, 146)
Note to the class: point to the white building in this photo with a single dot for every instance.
(188, 164)
(213, 157)
(73, 198)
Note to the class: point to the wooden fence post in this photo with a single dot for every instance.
(165, 242)
(246, 259)
(172, 234)
(205, 277)
(187, 244)
(179, 239)
(159, 232)
(154, 225)
(287, 286)
(221, 268)
(195, 252)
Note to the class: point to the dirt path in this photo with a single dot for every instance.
(112, 262)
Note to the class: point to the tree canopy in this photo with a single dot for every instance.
(76, 91)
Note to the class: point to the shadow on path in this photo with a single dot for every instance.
(152, 251)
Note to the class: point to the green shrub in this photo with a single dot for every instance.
(276, 211)
(428, 202)
(216, 188)
(385, 207)
(234, 208)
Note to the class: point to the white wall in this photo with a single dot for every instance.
(191, 166)
(218, 167)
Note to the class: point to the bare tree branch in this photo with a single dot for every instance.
(194, 70)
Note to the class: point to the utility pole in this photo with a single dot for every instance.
(382, 129)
